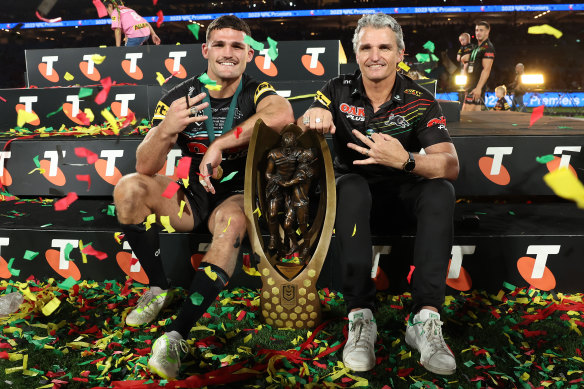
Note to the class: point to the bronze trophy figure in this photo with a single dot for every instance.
(282, 173)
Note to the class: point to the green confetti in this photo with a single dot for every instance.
(509, 286)
(68, 250)
(111, 210)
(55, 112)
(228, 177)
(545, 158)
(253, 43)
(511, 213)
(514, 124)
(14, 272)
(46, 225)
(30, 255)
(194, 28)
(564, 127)
(36, 161)
(67, 284)
(88, 218)
(205, 79)
(430, 46)
(273, 51)
(196, 298)
(84, 92)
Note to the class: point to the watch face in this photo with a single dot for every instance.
(409, 166)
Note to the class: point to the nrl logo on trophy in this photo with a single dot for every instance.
(290, 205)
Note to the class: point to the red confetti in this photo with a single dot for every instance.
(412, 268)
(154, 2)
(170, 190)
(101, 10)
(55, 20)
(129, 119)
(3, 99)
(160, 18)
(82, 152)
(89, 250)
(345, 379)
(102, 95)
(405, 372)
(65, 202)
(133, 261)
(84, 177)
(184, 166)
(83, 117)
(4, 355)
(238, 131)
(536, 114)
(241, 315)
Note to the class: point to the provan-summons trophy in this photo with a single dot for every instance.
(290, 197)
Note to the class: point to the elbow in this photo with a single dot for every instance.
(280, 117)
(453, 170)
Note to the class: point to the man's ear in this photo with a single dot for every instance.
(205, 50)
(250, 55)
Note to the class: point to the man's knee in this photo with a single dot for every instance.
(230, 221)
(438, 194)
(351, 187)
(129, 192)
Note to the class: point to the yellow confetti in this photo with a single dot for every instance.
(165, 221)
(354, 230)
(545, 29)
(89, 114)
(182, 207)
(160, 78)
(150, 219)
(566, 185)
(228, 223)
(247, 338)
(257, 210)
(25, 117)
(185, 182)
(51, 306)
(83, 255)
(98, 59)
(111, 120)
(117, 237)
(210, 273)
(213, 87)
(68, 76)
(26, 292)
(251, 271)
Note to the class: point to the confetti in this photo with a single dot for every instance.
(67, 284)
(102, 95)
(536, 114)
(160, 78)
(30, 255)
(160, 18)
(51, 306)
(273, 50)
(68, 76)
(228, 177)
(86, 178)
(98, 59)
(150, 219)
(545, 159)
(111, 120)
(253, 43)
(85, 92)
(181, 210)
(194, 29)
(545, 29)
(64, 203)
(565, 185)
(82, 152)
(228, 223)
(25, 117)
(100, 7)
(210, 273)
(183, 168)
(354, 230)
(130, 119)
(196, 298)
(403, 66)
(409, 277)
(170, 190)
(165, 221)
(238, 131)
(89, 250)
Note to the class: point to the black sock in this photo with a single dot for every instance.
(146, 246)
(206, 287)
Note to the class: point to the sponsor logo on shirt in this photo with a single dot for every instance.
(440, 121)
(353, 113)
(413, 92)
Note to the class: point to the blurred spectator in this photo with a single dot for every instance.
(136, 29)
(519, 90)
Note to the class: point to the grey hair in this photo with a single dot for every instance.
(379, 20)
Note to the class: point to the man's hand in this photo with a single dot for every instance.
(213, 157)
(476, 94)
(179, 115)
(381, 149)
(317, 119)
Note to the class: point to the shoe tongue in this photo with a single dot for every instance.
(358, 315)
(426, 314)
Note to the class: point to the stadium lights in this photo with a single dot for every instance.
(460, 80)
(532, 79)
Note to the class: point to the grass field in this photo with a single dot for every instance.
(519, 338)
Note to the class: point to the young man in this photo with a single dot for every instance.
(206, 130)
(379, 119)
(479, 68)
(136, 29)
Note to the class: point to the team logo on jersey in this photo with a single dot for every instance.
(261, 89)
(353, 113)
(397, 120)
(414, 92)
(440, 121)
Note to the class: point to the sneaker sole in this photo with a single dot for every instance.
(359, 368)
(159, 373)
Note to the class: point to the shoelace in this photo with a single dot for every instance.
(175, 347)
(145, 299)
(357, 327)
(433, 330)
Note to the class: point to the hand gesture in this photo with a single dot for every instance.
(317, 119)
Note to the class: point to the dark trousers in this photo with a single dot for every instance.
(517, 103)
(392, 205)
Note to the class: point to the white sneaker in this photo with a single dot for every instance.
(148, 306)
(167, 352)
(359, 351)
(424, 333)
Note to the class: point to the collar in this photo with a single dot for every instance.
(397, 93)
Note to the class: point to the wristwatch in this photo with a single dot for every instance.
(410, 164)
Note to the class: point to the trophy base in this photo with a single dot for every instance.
(290, 304)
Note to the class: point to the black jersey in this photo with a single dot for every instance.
(194, 140)
(502, 105)
(485, 50)
(412, 116)
(466, 49)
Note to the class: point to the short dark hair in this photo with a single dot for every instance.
(483, 23)
(228, 21)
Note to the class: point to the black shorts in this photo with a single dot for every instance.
(203, 203)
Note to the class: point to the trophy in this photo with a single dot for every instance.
(289, 178)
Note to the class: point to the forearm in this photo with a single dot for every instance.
(118, 34)
(151, 153)
(437, 165)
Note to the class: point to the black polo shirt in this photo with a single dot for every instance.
(485, 50)
(412, 116)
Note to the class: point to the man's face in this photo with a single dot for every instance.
(482, 33)
(377, 53)
(519, 69)
(226, 54)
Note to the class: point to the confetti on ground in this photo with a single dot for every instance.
(65, 202)
(516, 338)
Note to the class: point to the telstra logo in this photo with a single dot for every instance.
(5, 177)
(173, 65)
(46, 68)
(534, 270)
(311, 62)
(4, 271)
(88, 68)
(130, 66)
(52, 172)
(564, 159)
(265, 64)
(458, 278)
(27, 107)
(493, 168)
(56, 259)
(134, 271)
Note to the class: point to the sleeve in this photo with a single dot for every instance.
(164, 103)
(262, 91)
(489, 52)
(432, 128)
(116, 20)
(460, 51)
